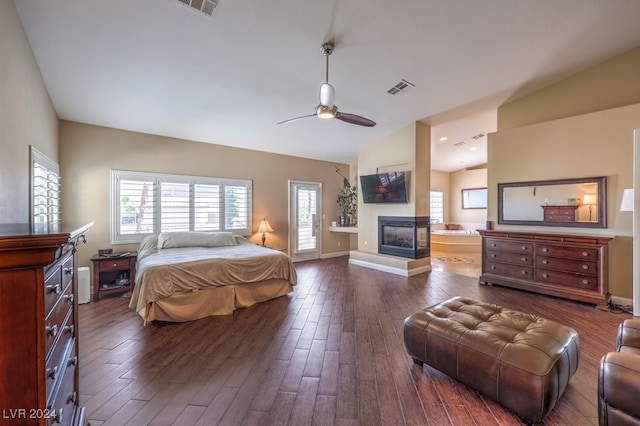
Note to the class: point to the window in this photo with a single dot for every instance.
(437, 207)
(45, 189)
(149, 203)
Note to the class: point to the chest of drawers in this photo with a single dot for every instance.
(560, 213)
(38, 325)
(569, 266)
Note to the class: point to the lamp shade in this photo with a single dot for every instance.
(264, 226)
(589, 200)
(627, 200)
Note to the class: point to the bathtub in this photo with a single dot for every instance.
(461, 241)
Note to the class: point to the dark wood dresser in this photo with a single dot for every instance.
(38, 324)
(559, 213)
(569, 266)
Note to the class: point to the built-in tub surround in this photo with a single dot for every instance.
(462, 241)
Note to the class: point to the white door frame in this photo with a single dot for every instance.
(293, 228)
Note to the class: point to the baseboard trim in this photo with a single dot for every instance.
(390, 269)
(334, 254)
(621, 301)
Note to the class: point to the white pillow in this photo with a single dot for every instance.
(195, 239)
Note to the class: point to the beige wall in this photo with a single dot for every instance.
(27, 117)
(608, 85)
(451, 184)
(88, 153)
(595, 144)
(406, 149)
(466, 179)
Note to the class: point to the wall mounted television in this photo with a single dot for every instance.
(392, 187)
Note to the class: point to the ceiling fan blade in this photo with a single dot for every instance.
(354, 119)
(295, 119)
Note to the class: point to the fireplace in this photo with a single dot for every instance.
(404, 236)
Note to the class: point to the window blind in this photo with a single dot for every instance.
(45, 189)
(147, 203)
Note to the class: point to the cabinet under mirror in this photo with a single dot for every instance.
(579, 202)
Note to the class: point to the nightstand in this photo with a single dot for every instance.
(113, 274)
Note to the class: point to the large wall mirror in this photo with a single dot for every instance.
(578, 202)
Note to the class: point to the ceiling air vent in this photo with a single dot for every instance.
(459, 143)
(478, 136)
(204, 6)
(401, 87)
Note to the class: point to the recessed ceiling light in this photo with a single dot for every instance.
(473, 148)
(442, 139)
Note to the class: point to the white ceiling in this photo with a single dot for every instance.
(159, 67)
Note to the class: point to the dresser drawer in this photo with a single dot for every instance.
(511, 246)
(567, 252)
(508, 257)
(56, 283)
(54, 322)
(52, 289)
(587, 282)
(61, 405)
(113, 265)
(515, 271)
(586, 267)
(58, 358)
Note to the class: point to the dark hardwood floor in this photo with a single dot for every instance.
(331, 353)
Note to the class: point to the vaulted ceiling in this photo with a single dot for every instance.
(161, 67)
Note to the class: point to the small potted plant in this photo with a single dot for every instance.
(347, 201)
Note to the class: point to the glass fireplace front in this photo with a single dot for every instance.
(404, 236)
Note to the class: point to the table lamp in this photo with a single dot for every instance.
(589, 200)
(264, 228)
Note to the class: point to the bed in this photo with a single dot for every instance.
(184, 276)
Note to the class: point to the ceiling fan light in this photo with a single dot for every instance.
(327, 95)
(326, 112)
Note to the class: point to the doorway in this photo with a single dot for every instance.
(304, 221)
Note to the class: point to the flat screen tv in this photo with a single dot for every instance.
(392, 187)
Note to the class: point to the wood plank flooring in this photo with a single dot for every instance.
(330, 353)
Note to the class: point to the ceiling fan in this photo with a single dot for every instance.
(326, 108)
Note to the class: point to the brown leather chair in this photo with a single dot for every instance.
(619, 378)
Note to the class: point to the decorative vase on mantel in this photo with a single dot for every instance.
(345, 221)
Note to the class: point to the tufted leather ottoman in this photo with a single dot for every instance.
(522, 361)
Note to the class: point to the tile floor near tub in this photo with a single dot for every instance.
(466, 264)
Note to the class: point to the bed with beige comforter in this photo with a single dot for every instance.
(185, 276)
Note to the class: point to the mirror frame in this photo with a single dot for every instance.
(602, 202)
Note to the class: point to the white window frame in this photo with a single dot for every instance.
(157, 178)
(44, 196)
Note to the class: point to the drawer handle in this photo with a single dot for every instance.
(53, 372)
(68, 271)
(523, 272)
(52, 330)
(73, 361)
(524, 259)
(70, 329)
(73, 397)
(585, 254)
(494, 255)
(54, 288)
(545, 250)
(585, 282)
(585, 267)
(524, 248)
(115, 265)
(58, 417)
(69, 297)
(493, 245)
(545, 262)
(493, 266)
(545, 276)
